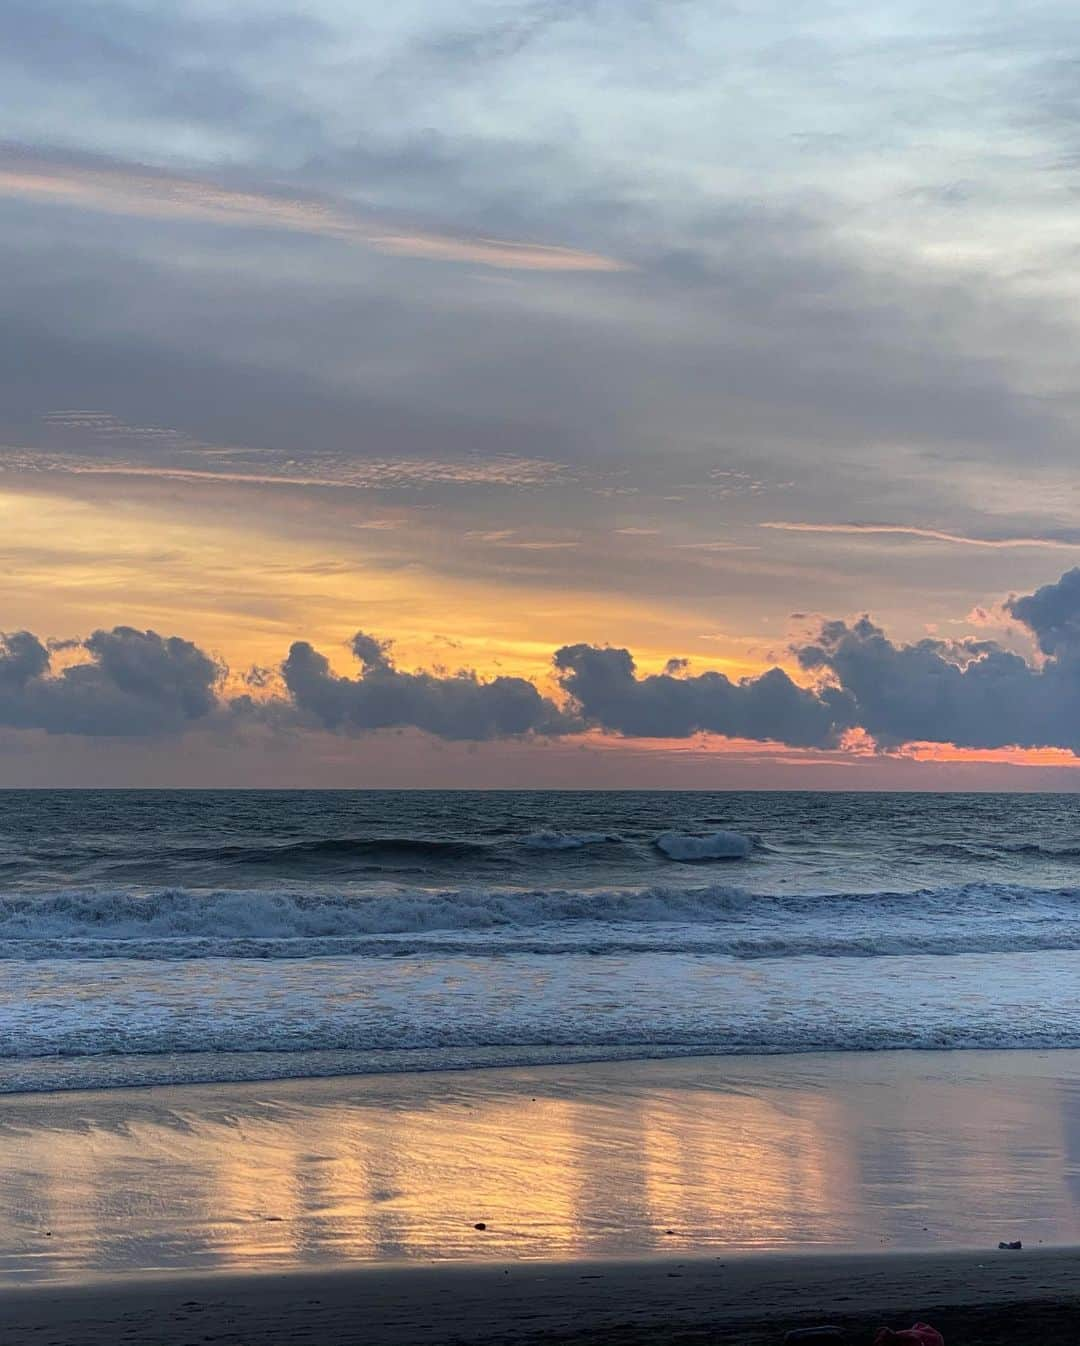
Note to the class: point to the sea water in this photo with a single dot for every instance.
(227, 935)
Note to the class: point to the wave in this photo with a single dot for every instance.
(989, 850)
(174, 1065)
(712, 920)
(346, 848)
(721, 845)
(550, 840)
(300, 915)
(715, 846)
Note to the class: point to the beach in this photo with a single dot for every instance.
(740, 1196)
(751, 1301)
(463, 1067)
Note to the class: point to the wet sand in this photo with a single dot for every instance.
(710, 1199)
(1024, 1299)
(848, 1152)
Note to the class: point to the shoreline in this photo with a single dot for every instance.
(1027, 1298)
(161, 1072)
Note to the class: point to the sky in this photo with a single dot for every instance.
(607, 393)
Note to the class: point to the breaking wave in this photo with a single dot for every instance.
(715, 846)
(547, 840)
(716, 919)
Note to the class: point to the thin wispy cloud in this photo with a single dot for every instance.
(361, 475)
(929, 534)
(713, 546)
(508, 537)
(136, 190)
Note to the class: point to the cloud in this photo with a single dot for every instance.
(457, 706)
(134, 683)
(1052, 614)
(137, 190)
(604, 685)
(932, 534)
(971, 693)
(319, 471)
(22, 658)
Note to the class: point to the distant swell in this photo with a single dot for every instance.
(988, 850)
(331, 849)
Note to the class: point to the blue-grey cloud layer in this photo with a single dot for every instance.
(848, 297)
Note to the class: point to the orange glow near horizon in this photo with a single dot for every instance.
(243, 582)
(949, 752)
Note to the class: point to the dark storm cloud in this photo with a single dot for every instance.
(22, 657)
(453, 706)
(370, 651)
(604, 684)
(972, 693)
(1052, 613)
(134, 683)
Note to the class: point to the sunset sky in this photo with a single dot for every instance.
(499, 328)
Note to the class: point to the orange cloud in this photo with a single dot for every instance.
(948, 752)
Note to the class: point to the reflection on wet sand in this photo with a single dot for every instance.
(884, 1150)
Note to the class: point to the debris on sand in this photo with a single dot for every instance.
(921, 1334)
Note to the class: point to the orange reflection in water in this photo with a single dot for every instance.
(859, 1151)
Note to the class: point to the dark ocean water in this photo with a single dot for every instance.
(229, 935)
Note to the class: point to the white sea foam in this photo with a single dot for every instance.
(356, 931)
(711, 920)
(312, 914)
(437, 1011)
(548, 840)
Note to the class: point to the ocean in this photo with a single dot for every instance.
(175, 936)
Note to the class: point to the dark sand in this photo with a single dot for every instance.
(1025, 1299)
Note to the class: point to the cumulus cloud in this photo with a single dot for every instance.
(133, 683)
(604, 684)
(972, 693)
(455, 706)
(1052, 614)
(22, 658)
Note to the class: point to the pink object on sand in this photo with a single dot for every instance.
(922, 1334)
